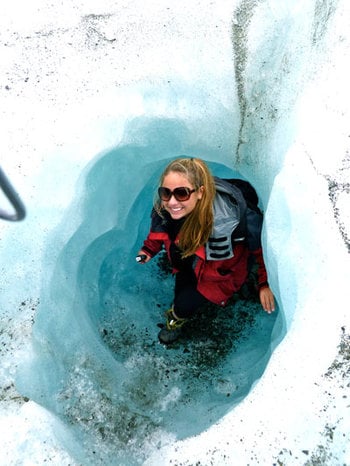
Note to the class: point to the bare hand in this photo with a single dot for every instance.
(142, 257)
(267, 299)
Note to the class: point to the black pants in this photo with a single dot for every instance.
(187, 299)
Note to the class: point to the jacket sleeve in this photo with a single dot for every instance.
(262, 273)
(155, 238)
(254, 228)
(152, 245)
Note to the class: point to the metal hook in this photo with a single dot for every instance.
(14, 199)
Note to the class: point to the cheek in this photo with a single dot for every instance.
(192, 205)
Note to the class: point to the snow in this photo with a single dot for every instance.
(95, 98)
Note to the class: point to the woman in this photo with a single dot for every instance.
(191, 216)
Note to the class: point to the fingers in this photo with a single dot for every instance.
(142, 258)
(267, 300)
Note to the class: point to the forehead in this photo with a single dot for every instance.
(176, 179)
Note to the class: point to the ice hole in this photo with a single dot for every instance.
(99, 366)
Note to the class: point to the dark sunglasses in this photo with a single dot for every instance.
(181, 194)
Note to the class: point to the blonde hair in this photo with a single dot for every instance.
(198, 224)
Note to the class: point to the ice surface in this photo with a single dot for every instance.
(98, 98)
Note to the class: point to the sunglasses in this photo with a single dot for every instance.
(181, 194)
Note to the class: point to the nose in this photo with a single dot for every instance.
(172, 200)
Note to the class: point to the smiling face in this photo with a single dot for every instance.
(176, 208)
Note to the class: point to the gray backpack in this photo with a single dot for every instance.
(237, 218)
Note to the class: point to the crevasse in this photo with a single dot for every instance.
(96, 364)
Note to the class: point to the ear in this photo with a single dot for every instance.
(200, 192)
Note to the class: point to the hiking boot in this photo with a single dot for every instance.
(172, 330)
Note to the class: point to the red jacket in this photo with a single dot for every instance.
(217, 280)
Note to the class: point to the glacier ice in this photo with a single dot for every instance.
(95, 144)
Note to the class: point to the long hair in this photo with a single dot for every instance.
(198, 224)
